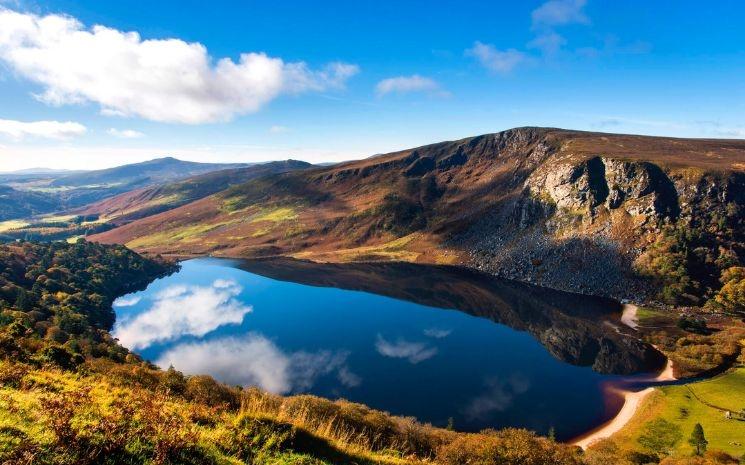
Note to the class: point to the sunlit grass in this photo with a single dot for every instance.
(276, 215)
(685, 405)
(9, 225)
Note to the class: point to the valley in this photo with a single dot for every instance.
(535, 233)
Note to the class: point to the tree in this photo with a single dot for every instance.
(22, 301)
(659, 436)
(698, 440)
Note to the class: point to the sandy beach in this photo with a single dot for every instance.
(632, 401)
(629, 317)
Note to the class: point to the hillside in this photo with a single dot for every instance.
(617, 215)
(70, 394)
(151, 200)
(15, 203)
(152, 171)
(40, 191)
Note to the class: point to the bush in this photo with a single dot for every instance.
(506, 447)
(205, 390)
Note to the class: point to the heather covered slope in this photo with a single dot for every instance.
(595, 213)
(146, 201)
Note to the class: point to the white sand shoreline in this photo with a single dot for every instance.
(632, 401)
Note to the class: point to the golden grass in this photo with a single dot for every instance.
(276, 215)
(395, 250)
(9, 225)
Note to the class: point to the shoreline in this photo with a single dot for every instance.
(629, 316)
(631, 402)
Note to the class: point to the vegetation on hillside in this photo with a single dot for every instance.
(55, 299)
(699, 263)
(69, 394)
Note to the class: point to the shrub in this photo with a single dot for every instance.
(506, 447)
(205, 390)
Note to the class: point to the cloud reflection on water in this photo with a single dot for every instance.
(182, 310)
(255, 360)
(126, 301)
(499, 395)
(414, 352)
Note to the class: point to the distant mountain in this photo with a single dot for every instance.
(40, 190)
(39, 171)
(140, 174)
(146, 201)
(33, 174)
(21, 204)
(595, 213)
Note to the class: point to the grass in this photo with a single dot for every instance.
(9, 225)
(302, 430)
(686, 405)
(276, 215)
(644, 314)
(58, 218)
(184, 234)
(395, 250)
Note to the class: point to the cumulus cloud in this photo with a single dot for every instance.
(495, 60)
(125, 133)
(167, 80)
(127, 301)
(183, 310)
(406, 84)
(414, 352)
(559, 13)
(437, 333)
(58, 130)
(254, 360)
(499, 395)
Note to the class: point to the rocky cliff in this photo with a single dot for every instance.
(613, 215)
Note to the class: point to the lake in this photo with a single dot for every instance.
(430, 342)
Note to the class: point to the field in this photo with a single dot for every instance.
(699, 402)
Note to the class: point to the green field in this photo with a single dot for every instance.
(12, 224)
(699, 402)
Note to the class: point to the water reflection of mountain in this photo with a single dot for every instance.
(577, 329)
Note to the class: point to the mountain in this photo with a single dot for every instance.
(623, 216)
(15, 203)
(50, 191)
(146, 201)
(138, 174)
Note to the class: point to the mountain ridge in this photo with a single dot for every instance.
(570, 210)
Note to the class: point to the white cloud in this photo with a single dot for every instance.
(499, 395)
(405, 84)
(127, 301)
(498, 61)
(558, 13)
(166, 80)
(347, 378)
(254, 360)
(125, 133)
(437, 333)
(548, 42)
(414, 352)
(277, 129)
(58, 130)
(183, 310)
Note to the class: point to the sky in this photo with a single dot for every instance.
(87, 84)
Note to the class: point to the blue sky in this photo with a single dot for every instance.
(327, 81)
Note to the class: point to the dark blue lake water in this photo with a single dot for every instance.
(409, 354)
